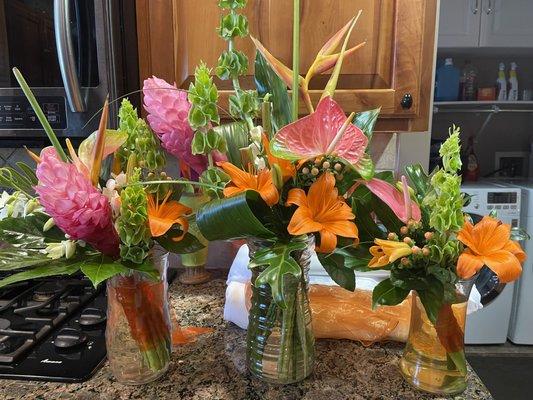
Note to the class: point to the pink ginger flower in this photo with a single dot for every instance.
(76, 206)
(168, 112)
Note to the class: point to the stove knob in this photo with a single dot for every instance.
(69, 337)
(91, 317)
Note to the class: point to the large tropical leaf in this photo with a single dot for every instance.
(279, 262)
(189, 243)
(366, 121)
(236, 137)
(28, 232)
(100, 268)
(386, 294)
(334, 264)
(362, 200)
(267, 81)
(235, 217)
(53, 268)
(15, 258)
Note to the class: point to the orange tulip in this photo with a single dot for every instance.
(241, 181)
(288, 170)
(161, 217)
(488, 243)
(323, 211)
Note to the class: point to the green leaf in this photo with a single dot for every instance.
(432, 298)
(366, 121)
(98, 269)
(419, 180)
(63, 267)
(386, 294)
(236, 137)
(335, 267)
(459, 360)
(365, 167)
(29, 172)
(267, 81)
(235, 217)
(189, 243)
(15, 258)
(279, 263)
(362, 209)
(28, 232)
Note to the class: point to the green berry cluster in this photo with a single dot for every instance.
(141, 141)
(312, 169)
(132, 224)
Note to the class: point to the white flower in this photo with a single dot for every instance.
(66, 248)
(12, 205)
(256, 134)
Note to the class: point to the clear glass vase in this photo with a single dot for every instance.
(194, 263)
(434, 358)
(138, 331)
(280, 342)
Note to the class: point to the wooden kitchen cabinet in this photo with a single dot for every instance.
(393, 70)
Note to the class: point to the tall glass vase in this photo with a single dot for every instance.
(194, 271)
(280, 342)
(434, 358)
(138, 331)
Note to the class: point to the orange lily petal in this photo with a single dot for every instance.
(468, 265)
(379, 258)
(161, 217)
(516, 249)
(342, 228)
(504, 264)
(288, 170)
(297, 197)
(239, 177)
(328, 242)
(302, 222)
(184, 228)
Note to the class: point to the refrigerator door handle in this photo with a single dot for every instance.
(65, 54)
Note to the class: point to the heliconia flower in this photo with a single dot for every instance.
(242, 181)
(162, 216)
(388, 251)
(488, 243)
(322, 210)
(317, 134)
(168, 116)
(400, 203)
(76, 206)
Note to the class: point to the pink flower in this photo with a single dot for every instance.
(168, 112)
(76, 206)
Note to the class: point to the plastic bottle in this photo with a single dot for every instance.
(469, 82)
(513, 84)
(501, 84)
(447, 83)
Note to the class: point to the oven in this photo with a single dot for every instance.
(73, 53)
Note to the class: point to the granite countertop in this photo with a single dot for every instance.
(214, 367)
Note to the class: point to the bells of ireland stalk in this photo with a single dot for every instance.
(76, 206)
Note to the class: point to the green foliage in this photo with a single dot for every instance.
(450, 151)
(132, 223)
(203, 96)
(268, 82)
(231, 64)
(244, 104)
(279, 262)
(22, 180)
(189, 243)
(204, 143)
(365, 167)
(233, 25)
(386, 294)
(366, 120)
(232, 4)
(334, 264)
(236, 136)
(141, 141)
(216, 177)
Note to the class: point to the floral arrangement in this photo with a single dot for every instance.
(68, 215)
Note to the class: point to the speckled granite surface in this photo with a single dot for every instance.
(214, 368)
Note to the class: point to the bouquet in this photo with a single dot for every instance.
(71, 215)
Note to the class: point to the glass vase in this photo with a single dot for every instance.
(280, 342)
(434, 358)
(194, 263)
(138, 331)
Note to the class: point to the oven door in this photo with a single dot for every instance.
(64, 49)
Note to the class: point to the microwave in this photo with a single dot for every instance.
(73, 54)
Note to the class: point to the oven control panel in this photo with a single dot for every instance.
(16, 112)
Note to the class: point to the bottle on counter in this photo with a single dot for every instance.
(447, 82)
(471, 172)
(501, 84)
(513, 84)
(468, 82)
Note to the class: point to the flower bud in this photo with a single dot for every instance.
(277, 176)
(70, 248)
(305, 170)
(404, 230)
(407, 240)
(428, 235)
(31, 206)
(338, 167)
(339, 177)
(392, 236)
(426, 252)
(405, 261)
(416, 250)
(326, 165)
(256, 134)
(55, 250)
(49, 224)
(314, 171)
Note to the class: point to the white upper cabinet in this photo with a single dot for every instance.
(507, 23)
(459, 23)
(486, 23)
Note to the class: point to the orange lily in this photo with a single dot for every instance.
(162, 217)
(288, 170)
(489, 244)
(241, 181)
(387, 251)
(323, 211)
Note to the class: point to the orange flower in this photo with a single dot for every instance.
(242, 181)
(387, 251)
(489, 244)
(162, 216)
(323, 211)
(288, 169)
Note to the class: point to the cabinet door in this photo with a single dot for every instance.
(459, 23)
(396, 61)
(507, 23)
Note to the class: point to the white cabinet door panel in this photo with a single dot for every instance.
(460, 23)
(506, 23)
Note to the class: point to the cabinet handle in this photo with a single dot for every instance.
(407, 101)
(475, 8)
(490, 8)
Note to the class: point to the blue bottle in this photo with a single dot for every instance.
(447, 82)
